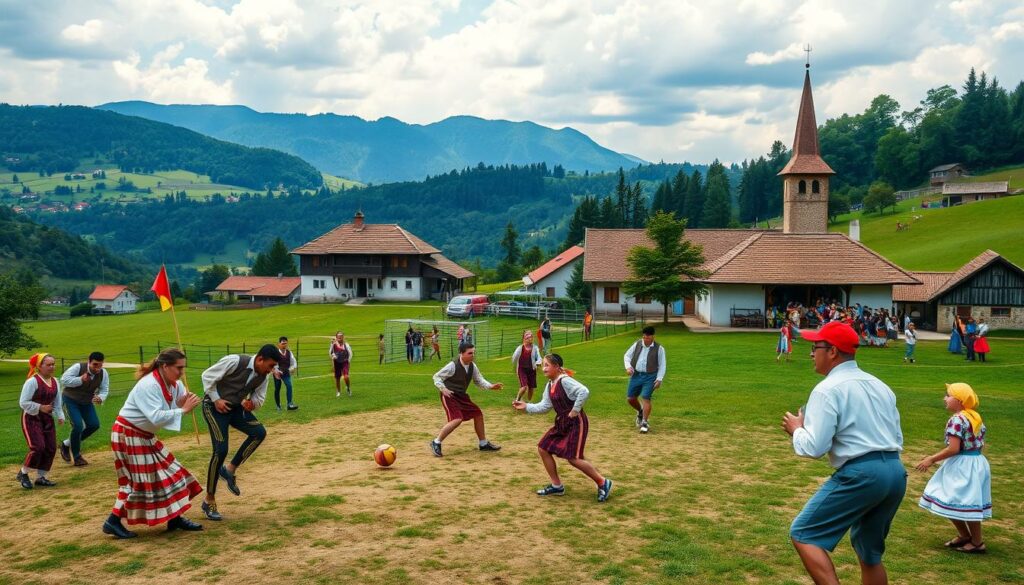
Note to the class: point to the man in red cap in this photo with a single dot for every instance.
(852, 416)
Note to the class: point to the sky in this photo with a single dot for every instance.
(673, 80)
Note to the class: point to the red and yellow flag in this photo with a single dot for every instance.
(162, 289)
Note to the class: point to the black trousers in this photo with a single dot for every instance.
(218, 424)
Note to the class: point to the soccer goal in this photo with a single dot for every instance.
(478, 332)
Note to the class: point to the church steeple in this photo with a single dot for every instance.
(805, 176)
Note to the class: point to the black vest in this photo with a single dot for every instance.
(460, 380)
(285, 363)
(652, 356)
(83, 394)
(233, 387)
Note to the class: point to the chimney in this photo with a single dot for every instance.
(855, 230)
(357, 221)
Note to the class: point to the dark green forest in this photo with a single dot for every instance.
(57, 138)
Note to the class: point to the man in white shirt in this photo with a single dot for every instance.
(852, 416)
(452, 382)
(645, 364)
(85, 386)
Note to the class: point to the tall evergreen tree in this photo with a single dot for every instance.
(576, 289)
(276, 260)
(694, 199)
(679, 183)
(717, 204)
(637, 206)
(510, 243)
(622, 206)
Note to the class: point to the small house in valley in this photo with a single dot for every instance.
(259, 289)
(550, 279)
(380, 261)
(947, 172)
(113, 299)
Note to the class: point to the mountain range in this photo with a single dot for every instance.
(388, 150)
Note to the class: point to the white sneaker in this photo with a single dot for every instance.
(337, 394)
(644, 427)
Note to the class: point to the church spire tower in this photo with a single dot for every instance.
(805, 176)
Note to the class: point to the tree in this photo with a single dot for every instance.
(211, 278)
(880, 195)
(717, 207)
(18, 300)
(694, 200)
(637, 206)
(276, 260)
(510, 244)
(14, 179)
(897, 159)
(576, 289)
(532, 258)
(838, 204)
(669, 271)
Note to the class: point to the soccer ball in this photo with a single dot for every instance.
(385, 455)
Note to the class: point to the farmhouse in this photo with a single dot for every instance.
(382, 261)
(752, 270)
(948, 172)
(266, 289)
(113, 299)
(988, 286)
(551, 278)
(959, 193)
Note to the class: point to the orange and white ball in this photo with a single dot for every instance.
(385, 455)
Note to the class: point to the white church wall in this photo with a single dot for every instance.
(725, 297)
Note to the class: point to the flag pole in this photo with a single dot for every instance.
(184, 377)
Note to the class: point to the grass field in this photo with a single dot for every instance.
(162, 183)
(945, 238)
(705, 498)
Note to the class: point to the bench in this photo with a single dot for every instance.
(746, 318)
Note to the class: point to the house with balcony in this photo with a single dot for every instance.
(375, 261)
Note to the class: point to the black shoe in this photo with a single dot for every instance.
(550, 490)
(81, 462)
(65, 452)
(25, 481)
(489, 446)
(118, 530)
(434, 446)
(45, 482)
(293, 407)
(183, 523)
(210, 510)
(230, 479)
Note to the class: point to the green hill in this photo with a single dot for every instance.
(943, 238)
(56, 138)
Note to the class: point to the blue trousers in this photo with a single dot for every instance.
(277, 389)
(84, 422)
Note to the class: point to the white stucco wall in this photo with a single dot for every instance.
(652, 308)
(123, 303)
(876, 296)
(331, 294)
(715, 308)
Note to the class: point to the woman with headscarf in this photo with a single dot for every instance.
(961, 490)
(40, 401)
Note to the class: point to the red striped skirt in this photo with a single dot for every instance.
(152, 486)
(567, 438)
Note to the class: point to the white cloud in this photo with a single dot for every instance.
(87, 33)
(164, 82)
(791, 53)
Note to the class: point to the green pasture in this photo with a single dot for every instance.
(943, 238)
(716, 513)
(335, 183)
(1014, 174)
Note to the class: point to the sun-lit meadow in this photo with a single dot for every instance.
(705, 498)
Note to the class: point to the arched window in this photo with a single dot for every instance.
(815, 187)
(802, 186)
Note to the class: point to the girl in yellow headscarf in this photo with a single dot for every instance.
(961, 490)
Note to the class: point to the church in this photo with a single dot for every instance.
(752, 270)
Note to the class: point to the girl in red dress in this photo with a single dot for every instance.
(568, 436)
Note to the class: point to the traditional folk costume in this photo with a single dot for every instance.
(784, 346)
(456, 377)
(341, 356)
(78, 401)
(153, 487)
(981, 346)
(956, 337)
(37, 426)
(526, 362)
(568, 437)
(232, 379)
(287, 360)
(961, 489)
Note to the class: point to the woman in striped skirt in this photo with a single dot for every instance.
(568, 436)
(153, 487)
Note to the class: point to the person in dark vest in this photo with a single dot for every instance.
(85, 386)
(235, 386)
(341, 357)
(453, 383)
(568, 437)
(286, 366)
(645, 365)
(40, 401)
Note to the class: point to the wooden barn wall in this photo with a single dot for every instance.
(998, 285)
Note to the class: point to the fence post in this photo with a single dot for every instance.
(501, 349)
(141, 358)
(243, 347)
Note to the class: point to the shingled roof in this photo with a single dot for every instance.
(753, 257)
(976, 188)
(546, 269)
(369, 238)
(806, 159)
(107, 292)
(261, 286)
(920, 293)
(440, 262)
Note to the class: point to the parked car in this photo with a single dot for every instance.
(467, 306)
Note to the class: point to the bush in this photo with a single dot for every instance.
(82, 309)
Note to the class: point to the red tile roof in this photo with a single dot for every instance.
(545, 270)
(371, 238)
(262, 286)
(920, 293)
(753, 257)
(806, 159)
(440, 262)
(107, 292)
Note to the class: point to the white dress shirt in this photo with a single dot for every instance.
(449, 370)
(575, 390)
(223, 367)
(147, 409)
(31, 408)
(850, 413)
(72, 378)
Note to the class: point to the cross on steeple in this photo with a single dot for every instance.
(807, 49)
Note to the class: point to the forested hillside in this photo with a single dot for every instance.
(56, 139)
(49, 251)
(388, 150)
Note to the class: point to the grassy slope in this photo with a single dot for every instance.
(169, 182)
(943, 239)
(717, 523)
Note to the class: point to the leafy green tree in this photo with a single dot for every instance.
(897, 159)
(211, 278)
(838, 204)
(576, 289)
(880, 196)
(18, 300)
(276, 260)
(669, 271)
(532, 257)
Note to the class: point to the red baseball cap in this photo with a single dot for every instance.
(836, 333)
